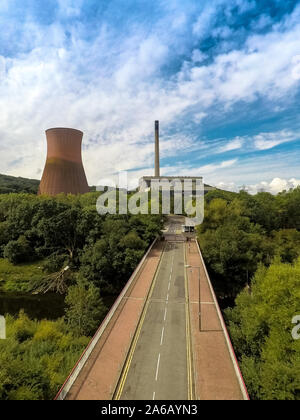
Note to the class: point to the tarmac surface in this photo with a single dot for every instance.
(167, 339)
(158, 369)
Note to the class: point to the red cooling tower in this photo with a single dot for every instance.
(64, 172)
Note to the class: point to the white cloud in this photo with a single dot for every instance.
(275, 186)
(245, 5)
(261, 141)
(278, 184)
(251, 169)
(227, 186)
(205, 21)
(235, 174)
(70, 8)
(296, 67)
(262, 22)
(199, 117)
(265, 141)
(113, 89)
(234, 144)
(198, 56)
(204, 170)
(207, 169)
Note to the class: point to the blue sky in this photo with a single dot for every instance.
(222, 76)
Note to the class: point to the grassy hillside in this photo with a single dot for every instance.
(11, 184)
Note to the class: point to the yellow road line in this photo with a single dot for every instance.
(137, 334)
(188, 333)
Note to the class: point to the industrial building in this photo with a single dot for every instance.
(146, 182)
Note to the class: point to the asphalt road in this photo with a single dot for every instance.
(175, 224)
(159, 366)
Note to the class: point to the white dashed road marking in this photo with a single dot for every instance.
(162, 336)
(157, 368)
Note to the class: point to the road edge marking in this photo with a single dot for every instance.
(188, 331)
(230, 348)
(120, 386)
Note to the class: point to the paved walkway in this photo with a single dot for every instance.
(215, 366)
(99, 376)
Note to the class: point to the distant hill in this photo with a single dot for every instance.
(11, 184)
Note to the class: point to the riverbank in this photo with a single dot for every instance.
(19, 278)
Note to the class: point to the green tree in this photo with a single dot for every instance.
(289, 209)
(4, 236)
(18, 251)
(85, 308)
(261, 329)
(232, 256)
(36, 358)
(286, 243)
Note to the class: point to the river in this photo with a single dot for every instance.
(50, 306)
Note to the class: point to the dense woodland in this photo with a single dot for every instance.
(66, 233)
(61, 245)
(251, 245)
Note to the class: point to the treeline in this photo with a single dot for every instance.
(261, 330)
(74, 251)
(66, 233)
(251, 245)
(241, 231)
(11, 184)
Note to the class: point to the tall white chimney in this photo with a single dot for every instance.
(157, 165)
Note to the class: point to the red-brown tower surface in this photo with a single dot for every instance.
(64, 172)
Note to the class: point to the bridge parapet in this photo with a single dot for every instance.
(217, 375)
(109, 346)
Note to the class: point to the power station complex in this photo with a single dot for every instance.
(146, 181)
(164, 338)
(64, 171)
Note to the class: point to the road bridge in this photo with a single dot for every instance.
(165, 338)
